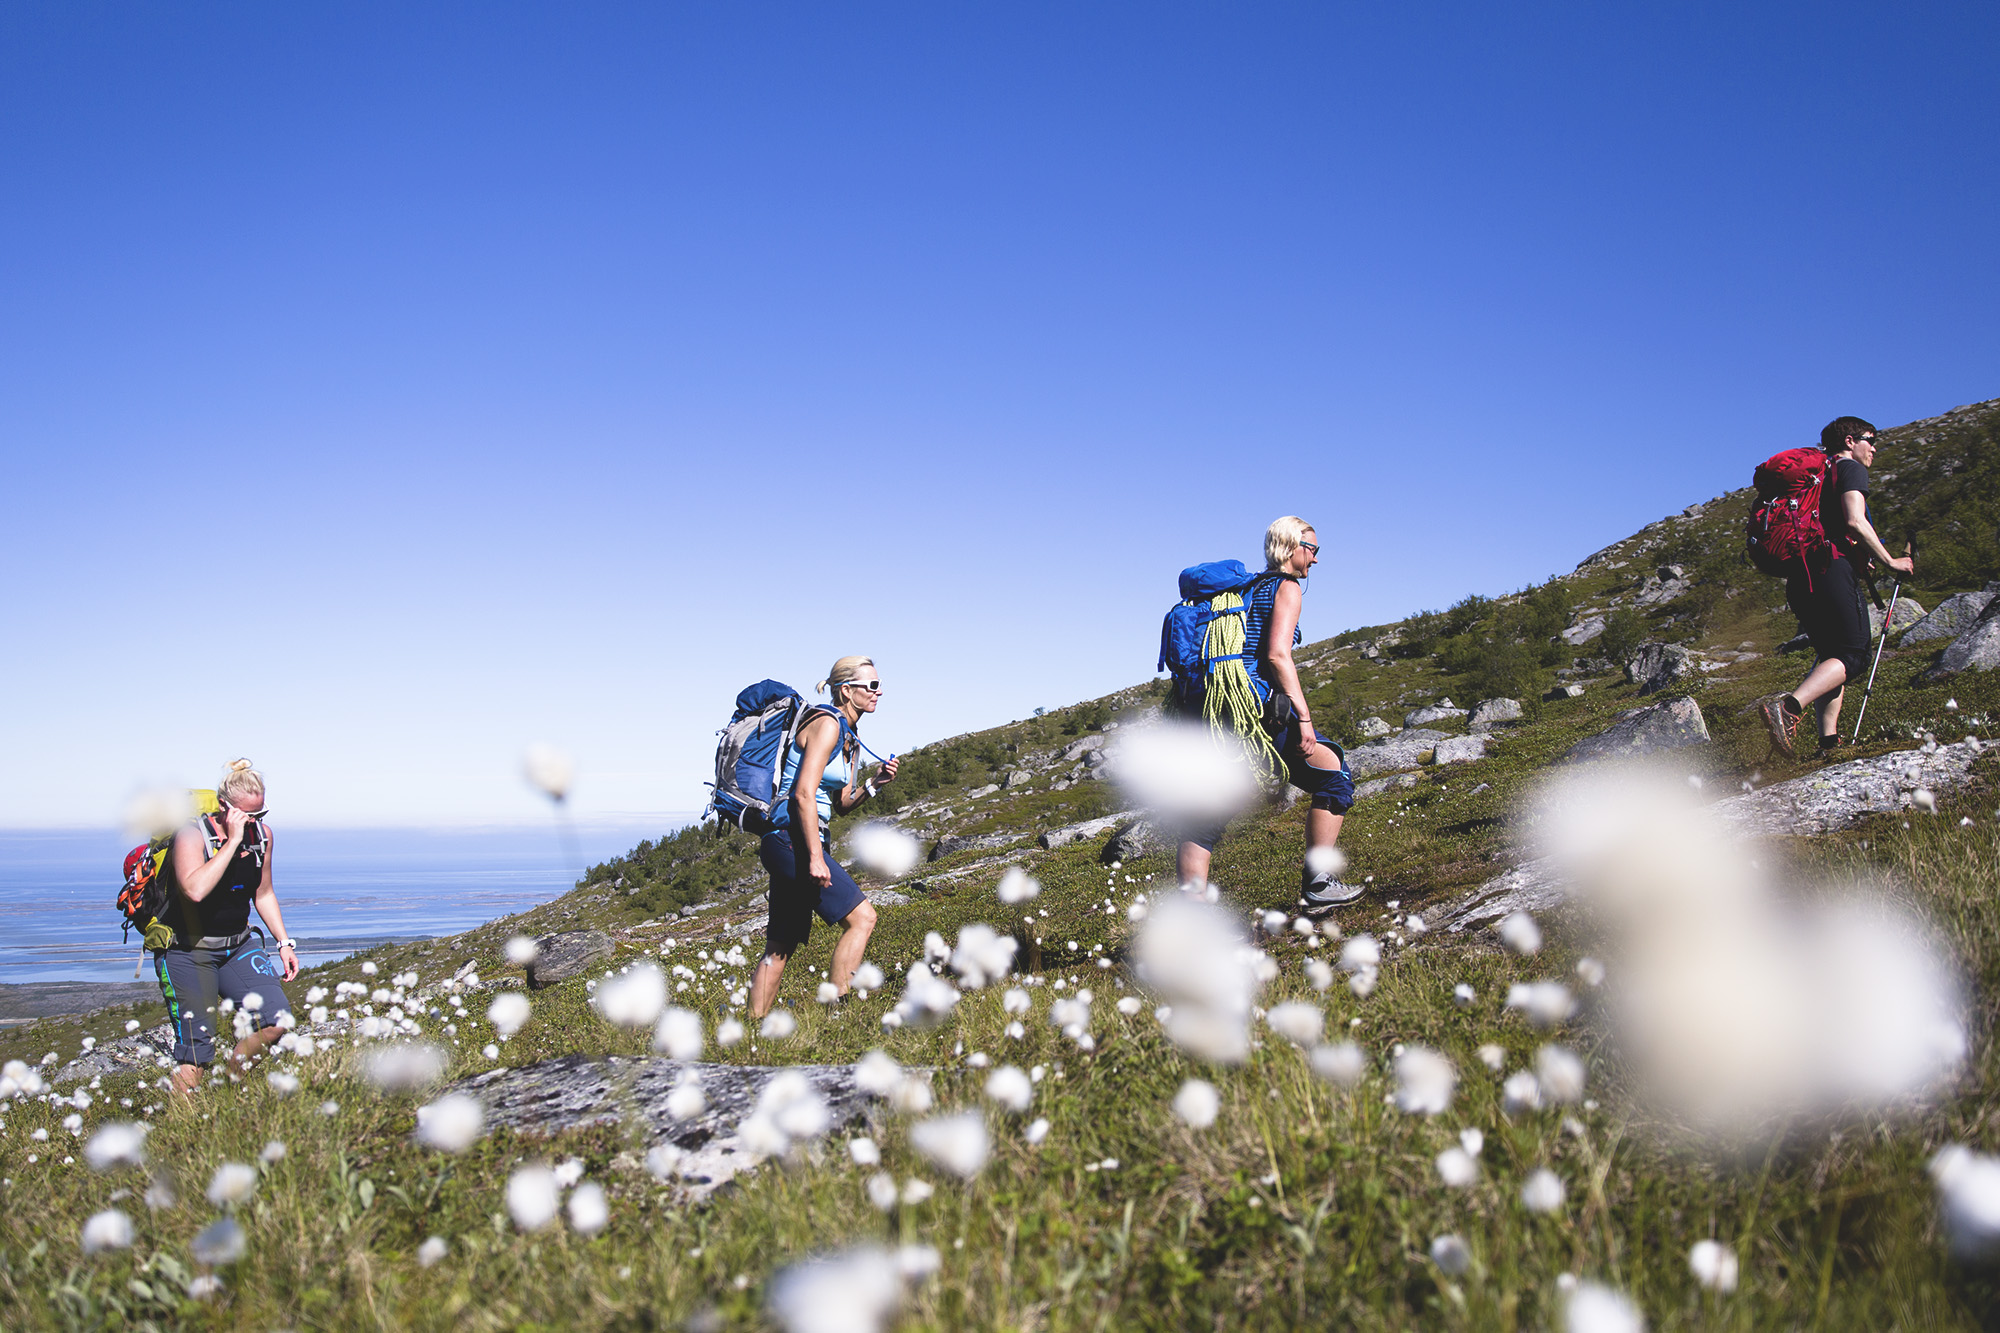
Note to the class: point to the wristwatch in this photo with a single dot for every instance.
(291, 944)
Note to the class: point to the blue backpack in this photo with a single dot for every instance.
(750, 756)
(1216, 589)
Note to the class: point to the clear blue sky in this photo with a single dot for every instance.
(384, 388)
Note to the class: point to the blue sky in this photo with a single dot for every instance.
(386, 388)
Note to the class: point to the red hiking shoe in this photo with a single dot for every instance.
(1782, 723)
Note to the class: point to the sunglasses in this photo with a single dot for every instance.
(1310, 547)
(248, 814)
(872, 686)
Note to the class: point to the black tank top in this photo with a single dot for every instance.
(226, 909)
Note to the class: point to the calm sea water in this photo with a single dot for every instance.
(340, 889)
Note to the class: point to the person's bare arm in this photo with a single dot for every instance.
(1278, 656)
(820, 736)
(1856, 505)
(266, 900)
(196, 876)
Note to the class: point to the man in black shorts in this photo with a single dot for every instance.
(1829, 603)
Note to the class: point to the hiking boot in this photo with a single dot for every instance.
(1320, 894)
(1831, 746)
(1782, 723)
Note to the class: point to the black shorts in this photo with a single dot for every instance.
(794, 896)
(193, 981)
(1834, 616)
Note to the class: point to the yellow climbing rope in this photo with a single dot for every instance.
(1230, 700)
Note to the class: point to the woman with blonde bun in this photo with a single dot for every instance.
(821, 778)
(221, 869)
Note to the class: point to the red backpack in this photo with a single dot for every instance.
(1785, 533)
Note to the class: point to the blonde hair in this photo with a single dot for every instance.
(1282, 539)
(843, 671)
(240, 778)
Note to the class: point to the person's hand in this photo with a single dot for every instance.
(290, 958)
(1904, 564)
(887, 773)
(235, 821)
(818, 873)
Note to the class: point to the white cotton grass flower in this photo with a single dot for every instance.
(686, 1100)
(1362, 953)
(404, 1066)
(1015, 1001)
(219, 1244)
(204, 1286)
(1561, 1075)
(926, 998)
(281, 1083)
(1198, 1103)
(120, 1143)
(864, 1151)
(1325, 861)
(1714, 1265)
(917, 1191)
(1545, 1004)
(877, 1073)
(1194, 956)
(1017, 886)
(232, 1183)
(108, 1230)
(452, 1123)
(868, 977)
(1590, 972)
(532, 1196)
(918, 1262)
(633, 999)
(273, 1153)
(1463, 995)
(778, 1025)
(1520, 1094)
(1457, 1168)
(828, 993)
(508, 1012)
(1424, 1081)
(882, 1191)
(1924, 799)
(1519, 932)
(1036, 1132)
(1297, 1022)
(589, 1210)
(1342, 1065)
(1319, 973)
(957, 1143)
(1010, 1088)
(884, 850)
(1181, 771)
(1473, 1140)
(1596, 1308)
(678, 1035)
(728, 1032)
(1451, 1254)
(857, 1290)
(1130, 1006)
(1968, 1186)
(432, 1252)
(983, 956)
(1543, 1191)
(1493, 1057)
(522, 950)
(549, 771)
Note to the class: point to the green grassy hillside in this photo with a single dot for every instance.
(1306, 1201)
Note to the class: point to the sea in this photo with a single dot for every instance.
(340, 890)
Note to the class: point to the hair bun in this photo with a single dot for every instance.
(820, 688)
(240, 766)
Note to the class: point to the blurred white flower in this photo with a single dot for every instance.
(927, 998)
(452, 1123)
(1542, 1192)
(1713, 1265)
(1493, 1057)
(882, 1190)
(884, 849)
(778, 1025)
(1424, 1081)
(1546, 1004)
(1036, 1132)
(1457, 1167)
(403, 1067)
(983, 955)
(219, 1244)
(864, 1152)
(1009, 1087)
(1521, 1093)
(432, 1251)
(120, 1143)
(663, 1161)
(1198, 1103)
(633, 999)
(876, 1073)
(1968, 1186)
(531, 1197)
(1130, 1006)
(1594, 1308)
(282, 1083)
(916, 1191)
(1017, 886)
(1463, 995)
(958, 1143)
(549, 771)
(1297, 1022)
(569, 1172)
(108, 1230)
(1519, 932)
(274, 1152)
(1319, 973)
(917, 1262)
(509, 1010)
(1360, 954)
(1194, 955)
(207, 1284)
(1325, 861)
(1923, 799)
(589, 1211)
(869, 977)
(1451, 1254)
(1342, 1065)
(232, 1183)
(855, 1291)
(1183, 772)
(522, 950)
(678, 1035)
(686, 1100)
(1561, 1074)
(728, 1032)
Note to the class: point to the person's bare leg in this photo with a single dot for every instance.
(764, 983)
(253, 1046)
(1829, 712)
(1194, 860)
(856, 927)
(1322, 828)
(1823, 679)
(186, 1079)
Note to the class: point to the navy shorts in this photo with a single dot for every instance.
(1834, 616)
(794, 896)
(193, 981)
(1330, 788)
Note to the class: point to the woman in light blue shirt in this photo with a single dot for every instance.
(819, 779)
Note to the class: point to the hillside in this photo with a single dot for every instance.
(1308, 1197)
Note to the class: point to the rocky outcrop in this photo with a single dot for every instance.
(568, 954)
(1823, 802)
(1561, 692)
(978, 842)
(1657, 666)
(1089, 828)
(1492, 712)
(1909, 614)
(1078, 749)
(1016, 777)
(1977, 649)
(1583, 631)
(1403, 750)
(1372, 728)
(1132, 841)
(1442, 711)
(573, 1092)
(1395, 782)
(1671, 725)
(1954, 616)
(1459, 750)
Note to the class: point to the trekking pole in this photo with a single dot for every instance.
(1888, 616)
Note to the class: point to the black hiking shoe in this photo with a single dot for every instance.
(1782, 723)
(1320, 894)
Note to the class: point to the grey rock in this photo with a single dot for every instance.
(1667, 573)
(45, 999)
(885, 897)
(1670, 725)
(138, 1053)
(1977, 648)
(1657, 591)
(1097, 758)
(1583, 631)
(567, 954)
(1132, 841)
(1017, 778)
(1078, 749)
(1429, 713)
(1909, 614)
(1372, 728)
(1954, 616)
(978, 792)
(1051, 839)
(1656, 666)
(1460, 750)
(1405, 749)
(980, 842)
(573, 1092)
(1831, 799)
(1492, 712)
(1376, 786)
(1564, 692)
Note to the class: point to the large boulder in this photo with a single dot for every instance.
(1376, 786)
(1460, 750)
(567, 954)
(1372, 728)
(1131, 842)
(1441, 711)
(1017, 777)
(1909, 614)
(1078, 749)
(1583, 631)
(1954, 616)
(1492, 712)
(1561, 692)
(978, 842)
(1656, 666)
(1670, 725)
(1405, 749)
(1051, 839)
(1977, 649)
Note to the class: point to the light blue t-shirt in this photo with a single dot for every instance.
(838, 774)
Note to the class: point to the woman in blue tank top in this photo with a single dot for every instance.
(820, 778)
